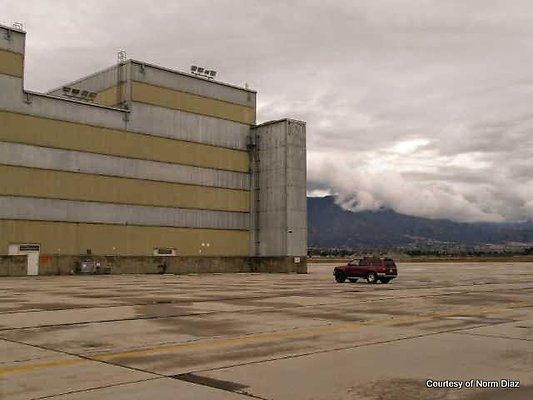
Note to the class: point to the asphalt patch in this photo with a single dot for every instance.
(211, 382)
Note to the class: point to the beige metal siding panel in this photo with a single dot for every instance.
(159, 96)
(111, 96)
(76, 238)
(30, 182)
(11, 63)
(76, 161)
(202, 87)
(20, 128)
(174, 124)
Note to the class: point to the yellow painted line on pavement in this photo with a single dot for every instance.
(298, 333)
(256, 339)
(39, 366)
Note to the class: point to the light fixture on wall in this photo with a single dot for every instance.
(121, 56)
(79, 94)
(203, 72)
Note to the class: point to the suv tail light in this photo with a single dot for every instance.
(390, 267)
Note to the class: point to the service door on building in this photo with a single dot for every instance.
(32, 251)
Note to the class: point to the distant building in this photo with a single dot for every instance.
(137, 162)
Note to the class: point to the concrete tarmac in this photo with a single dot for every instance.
(253, 336)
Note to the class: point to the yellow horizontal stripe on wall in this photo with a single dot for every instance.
(31, 182)
(11, 63)
(111, 96)
(76, 238)
(21, 128)
(169, 98)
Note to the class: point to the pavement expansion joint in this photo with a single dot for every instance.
(92, 389)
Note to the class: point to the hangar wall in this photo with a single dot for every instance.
(281, 203)
(159, 160)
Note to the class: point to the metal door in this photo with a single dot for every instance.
(31, 250)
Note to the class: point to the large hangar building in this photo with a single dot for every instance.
(139, 168)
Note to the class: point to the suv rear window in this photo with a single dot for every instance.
(389, 263)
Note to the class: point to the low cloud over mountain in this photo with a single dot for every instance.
(331, 226)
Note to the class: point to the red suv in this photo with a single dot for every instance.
(373, 269)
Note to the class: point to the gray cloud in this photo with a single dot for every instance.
(421, 106)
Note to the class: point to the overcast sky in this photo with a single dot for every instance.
(422, 106)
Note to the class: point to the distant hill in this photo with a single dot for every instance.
(331, 226)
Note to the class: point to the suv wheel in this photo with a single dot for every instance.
(340, 276)
(371, 277)
(385, 280)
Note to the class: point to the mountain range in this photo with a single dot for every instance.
(331, 226)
